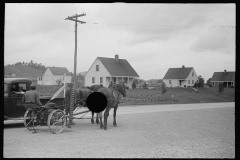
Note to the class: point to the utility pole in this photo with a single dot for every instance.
(74, 89)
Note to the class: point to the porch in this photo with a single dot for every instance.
(225, 84)
(127, 80)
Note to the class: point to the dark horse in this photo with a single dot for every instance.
(82, 95)
(95, 88)
(113, 95)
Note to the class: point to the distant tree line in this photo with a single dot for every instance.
(79, 77)
(35, 65)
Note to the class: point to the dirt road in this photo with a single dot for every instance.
(160, 131)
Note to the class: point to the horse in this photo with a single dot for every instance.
(95, 88)
(113, 95)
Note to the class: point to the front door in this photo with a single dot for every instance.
(114, 80)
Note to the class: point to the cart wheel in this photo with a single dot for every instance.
(29, 121)
(56, 121)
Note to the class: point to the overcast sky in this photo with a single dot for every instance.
(152, 37)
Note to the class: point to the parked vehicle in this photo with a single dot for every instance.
(14, 89)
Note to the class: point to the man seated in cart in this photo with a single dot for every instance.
(31, 99)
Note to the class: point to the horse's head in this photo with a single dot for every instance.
(121, 89)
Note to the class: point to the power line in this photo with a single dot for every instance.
(162, 25)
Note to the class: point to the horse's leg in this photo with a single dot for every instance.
(99, 115)
(114, 116)
(97, 118)
(106, 113)
(92, 120)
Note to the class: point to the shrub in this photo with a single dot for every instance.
(220, 87)
(164, 88)
(133, 85)
(195, 85)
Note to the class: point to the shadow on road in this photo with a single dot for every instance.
(13, 125)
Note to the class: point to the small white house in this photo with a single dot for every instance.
(53, 74)
(103, 70)
(227, 78)
(180, 77)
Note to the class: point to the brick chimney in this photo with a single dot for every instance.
(225, 71)
(183, 66)
(116, 58)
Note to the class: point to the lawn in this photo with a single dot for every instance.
(178, 96)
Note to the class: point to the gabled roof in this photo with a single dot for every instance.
(220, 76)
(122, 68)
(59, 71)
(178, 73)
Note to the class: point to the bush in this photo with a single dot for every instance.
(195, 85)
(133, 85)
(220, 87)
(210, 85)
(164, 88)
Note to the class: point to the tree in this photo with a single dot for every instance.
(195, 85)
(145, 85)
(164, 88)
(200, 81)
(159, 81)
(136, 81)
(80, 77)
(133, 85)
(209, 82)
(59, 81)
(220, 87)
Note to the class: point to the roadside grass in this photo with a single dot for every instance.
(177, 96)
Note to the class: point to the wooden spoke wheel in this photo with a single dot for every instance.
(30, 120)
(56, 121)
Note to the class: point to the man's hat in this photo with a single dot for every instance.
(32, 86)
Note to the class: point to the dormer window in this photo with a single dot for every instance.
(97, 67)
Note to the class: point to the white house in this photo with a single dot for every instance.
(180, 77)
(52, 74)
(103, 70)
(227, 78)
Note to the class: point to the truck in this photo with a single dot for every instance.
(14, 89)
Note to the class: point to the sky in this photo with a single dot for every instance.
(151, 37)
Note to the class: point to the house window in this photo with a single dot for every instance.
(97, 67)
(93, 79)
(169, 81)
(101, 79)
(188, 81)
(40, 78)
(192, 74)
(192, 81)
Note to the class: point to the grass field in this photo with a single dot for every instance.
(178, 96)
(172, 96)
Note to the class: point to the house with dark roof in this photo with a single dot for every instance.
(227, 78)
(103, 70)
(54, 74)
(180, 77)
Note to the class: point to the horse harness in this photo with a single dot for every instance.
(116, 95)
(79, 100)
